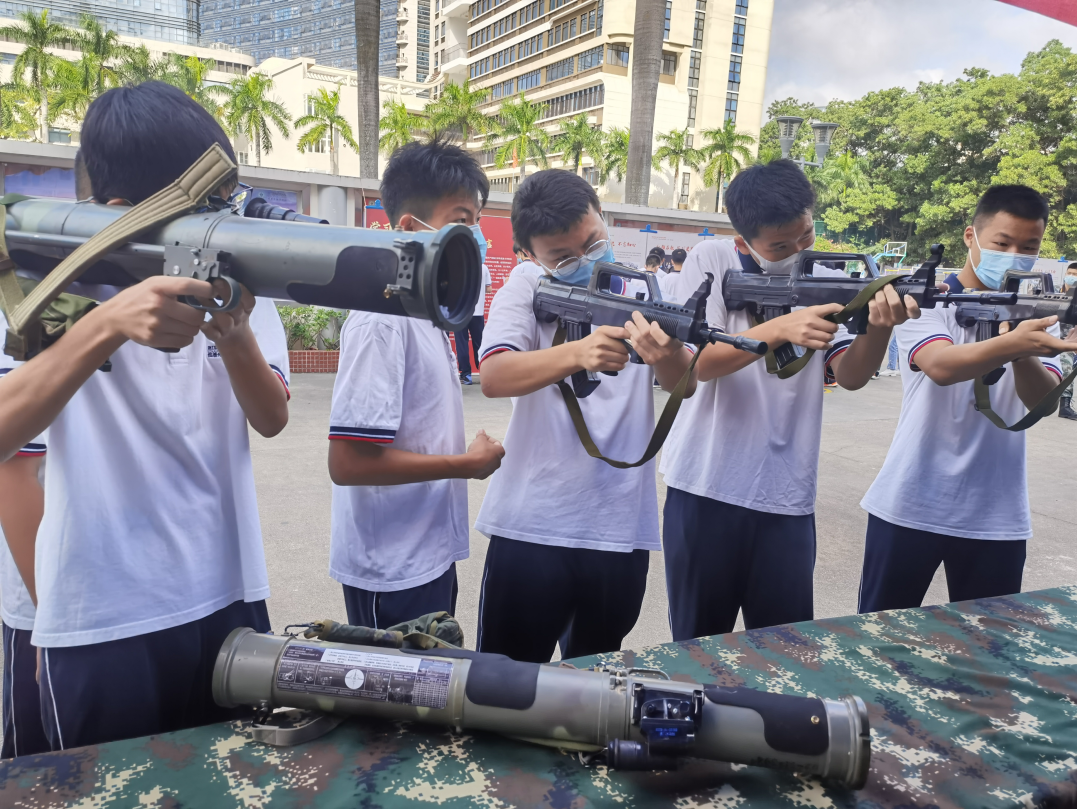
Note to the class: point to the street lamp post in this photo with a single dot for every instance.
(787, 133)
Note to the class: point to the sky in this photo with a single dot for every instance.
(826, 49)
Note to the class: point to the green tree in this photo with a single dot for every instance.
(189, 73)
(676, 152)
(136, 66)
(615, 154)
(38, 35)
(457, 110)
(647, 42)
(398, 126)
(726, 150)
(70, 90)
(520, 135)
(250, 112)
(326, 125)
(579, 138)
(102, 52)
(18, 111)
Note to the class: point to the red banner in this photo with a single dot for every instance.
(499, 256)
(1065, 10)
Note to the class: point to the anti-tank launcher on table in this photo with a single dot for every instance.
(634, 719)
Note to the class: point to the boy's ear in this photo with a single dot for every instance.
(406, 222)
(742, 245)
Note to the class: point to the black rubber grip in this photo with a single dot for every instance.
(790, 724)
(493, 680)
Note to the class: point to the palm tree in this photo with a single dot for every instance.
(248, 111)
(522, 138)
(70, 89)
(458, 109)
(367, 27)
(579, 138)
(136, 66)
(727, 151)
(18, 110)
(838, 177)
(38, 35)
(326, 122)
(676, 151)
(399, 125)
(615, 157)
(189, 73)
(101, 52)
(646, 67)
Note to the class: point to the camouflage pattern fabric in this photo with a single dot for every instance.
(972, 705)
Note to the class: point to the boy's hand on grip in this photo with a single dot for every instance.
(886, 309)
(1031, 339)
(224, 327)
(602, 350)
(806, 327)
(651, 343)
(151, 314)
(484, 455)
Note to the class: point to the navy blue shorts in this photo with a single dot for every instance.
(899, 564)
(722, 559)
(23, 732)
(381, 610)
(153, 683)
(536, 596)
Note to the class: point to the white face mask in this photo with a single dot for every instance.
(1070, 281)
(781, 267)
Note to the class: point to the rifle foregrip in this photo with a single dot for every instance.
(748, 344)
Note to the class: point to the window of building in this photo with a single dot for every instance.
(572, 27)
(598, 23)
(693, 99)
(741, 8)
(574, 102)
(502, 90)
(529, 80)
(669, 64)
(59, 135)
(731, 107)
(591, 58)
(734, 74)
(241, 158)
(738, 38)
(618, 55)
(695, 60)
(559, 70)
(697, 32)
(669, 15)
(592, 175)
(686, 180)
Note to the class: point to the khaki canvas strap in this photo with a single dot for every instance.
(11, 291)
(661, 430)
(855, 305)
(189, 191)
(1043, 407)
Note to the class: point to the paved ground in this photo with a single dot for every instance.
(294, 495)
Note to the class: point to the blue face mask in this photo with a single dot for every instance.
(581, 276)
(476, 231)
(993, 264)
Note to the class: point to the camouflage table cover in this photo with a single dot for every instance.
(972, 705)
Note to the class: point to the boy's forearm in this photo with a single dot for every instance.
(948, 364)
(518, 373)
(1032, 381)
(669, 372)
(22, 503)
(258, 390)
(855, 367)
(32, 395)
(363, 464)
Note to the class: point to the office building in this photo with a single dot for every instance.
(174, 21)
(576, 56)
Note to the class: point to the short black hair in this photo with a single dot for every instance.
(768, 195)
(1016, 200)
(421, 174)
(679, 255)
(653, 260)
(657, 251)
(136, 140)
(550, 201)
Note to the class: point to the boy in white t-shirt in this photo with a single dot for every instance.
(397, 453)
(742, 457)
(569, 534)
(954, 488)
(149, 552)
(21, 505)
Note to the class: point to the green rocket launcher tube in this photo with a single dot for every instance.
(435, 276)
(636, 719)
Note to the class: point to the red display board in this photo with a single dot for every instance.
(499, 256)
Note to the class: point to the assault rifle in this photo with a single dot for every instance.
(766, 297)
(579, 308)
(634, 719)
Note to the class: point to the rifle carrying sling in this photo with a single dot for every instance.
(661, 430)
(1043, 407)
(853, 307)
(24, 308)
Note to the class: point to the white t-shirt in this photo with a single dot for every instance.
(397, 385)
(548, 489)
(950, 470)
(750, 438)
(150, 512)
(668, 283)
(480, 305)
(16, 608)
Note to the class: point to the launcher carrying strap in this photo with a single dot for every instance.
(24, 312)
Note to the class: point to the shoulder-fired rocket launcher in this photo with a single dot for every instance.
(634, 718)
